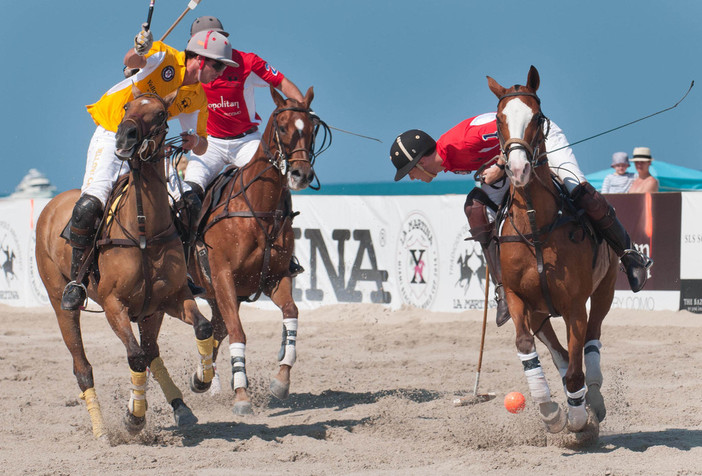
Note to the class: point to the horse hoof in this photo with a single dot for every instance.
(594, 399)
(197, 386)
(184, 417)
(134, 424)
(577, 418)
(243, 408)
(279, 389)
(553, 417)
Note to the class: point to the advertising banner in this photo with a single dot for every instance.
(691, 251)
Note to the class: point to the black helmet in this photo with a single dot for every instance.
(207, 23)
(408, 148)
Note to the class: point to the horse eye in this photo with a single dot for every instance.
(283, 129)
(126, 106)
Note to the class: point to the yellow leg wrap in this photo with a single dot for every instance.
(137, 400)
(204, 348)
(94, 410)
(163, 378)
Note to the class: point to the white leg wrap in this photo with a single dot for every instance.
(288, 354)
(538, 386)
(577, 415)
(593, 372)
(236, 352)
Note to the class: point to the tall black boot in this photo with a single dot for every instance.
(82, 233)
(482, 231)
(193, 207)
(294, 267)
(605, 220)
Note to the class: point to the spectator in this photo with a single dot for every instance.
(620, 180)
(644, 182)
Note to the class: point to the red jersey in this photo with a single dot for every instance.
(230, 98)
(467, 146)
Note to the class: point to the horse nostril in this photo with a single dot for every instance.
(295, 173)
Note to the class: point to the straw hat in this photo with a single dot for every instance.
(620, 158)
(642, 154)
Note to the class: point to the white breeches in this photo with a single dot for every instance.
(202, 169)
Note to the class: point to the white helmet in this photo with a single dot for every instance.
(212, 44)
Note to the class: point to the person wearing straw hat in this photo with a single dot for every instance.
(620, 180)
(161, 70)
(644, 182)
(473, 144)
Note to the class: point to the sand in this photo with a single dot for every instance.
(371, 394)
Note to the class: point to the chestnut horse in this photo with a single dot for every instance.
(249, 239)
(142, 271)
(550, 265)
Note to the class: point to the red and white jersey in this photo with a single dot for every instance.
(230, 98)
(468, 145)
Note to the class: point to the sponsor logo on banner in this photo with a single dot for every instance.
(467, 268)
(417, 262)
(11, 260)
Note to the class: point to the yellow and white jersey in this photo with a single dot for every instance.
(163, 74)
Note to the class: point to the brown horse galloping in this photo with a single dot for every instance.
(142, 271)
(550, 267)
(250, 239)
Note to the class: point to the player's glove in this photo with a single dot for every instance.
(143, 41)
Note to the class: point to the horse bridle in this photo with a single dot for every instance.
(148, 138)
(535, 156)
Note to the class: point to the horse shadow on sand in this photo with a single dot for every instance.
(678, 438)
(338, 400)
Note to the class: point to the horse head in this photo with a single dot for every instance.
(520, 127)
(144, 126)
(290, 134)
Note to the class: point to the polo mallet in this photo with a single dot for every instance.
(479, 397)
(151, 12)
(191, 6)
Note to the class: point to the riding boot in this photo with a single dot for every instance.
(482, 230)
(193, 207)
(493, 261)
(294, 267)
(82, 233)
(605, 221)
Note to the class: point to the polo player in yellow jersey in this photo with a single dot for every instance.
(162, 70)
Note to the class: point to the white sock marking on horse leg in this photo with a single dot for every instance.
(593, 371)
(236, 352)
(288, 354)
(538, 386)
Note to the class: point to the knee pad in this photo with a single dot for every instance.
(86, 213)
(475, 209)
(593, 203)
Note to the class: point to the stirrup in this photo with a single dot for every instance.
(74, 296)
(295, 267)
(195, 290)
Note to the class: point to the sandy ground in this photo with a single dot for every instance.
(372, 393)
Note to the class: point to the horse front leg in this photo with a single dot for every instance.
(228, 304)
(149, 329)
(201, 379)
(118, 318)
(282, 297)
(69, 324)
(574, 381)
(551, 413)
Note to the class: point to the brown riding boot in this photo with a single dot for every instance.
(605, 220)
(482, 230)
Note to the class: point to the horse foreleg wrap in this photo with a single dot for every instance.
(160, 373)
(593, 372)
(94, 411)
(205, 371)
(538, 386)
(236, 352)
(577, 414)
(137, 399)
(288, 354)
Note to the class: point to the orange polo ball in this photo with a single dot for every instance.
(514, 402)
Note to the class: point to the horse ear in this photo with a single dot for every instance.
(277, 98)
(533, 79)
(170, 98)
(309, 95)
(136, 92)
(497, 90)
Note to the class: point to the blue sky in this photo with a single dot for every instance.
(378, 68)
